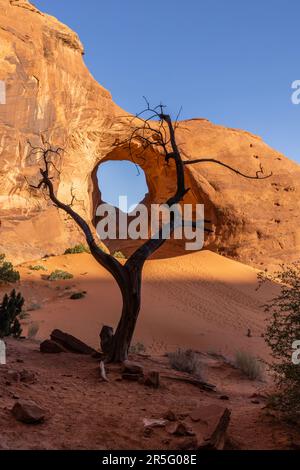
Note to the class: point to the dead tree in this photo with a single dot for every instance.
(151, 128)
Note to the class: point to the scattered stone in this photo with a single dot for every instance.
(179, 429)
(170, 416)
(187, 443)
(152, 379)
(13, 376)
(165, 442)
(260, 396)
(255, 402)
(51, 347)
(27, 376)
(28, 412)
(77, 296)
(232, 444)
(71, 343)
(148, 432)
(224, 397)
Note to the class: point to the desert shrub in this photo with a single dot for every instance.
(282, 331)
(33, 328)
(185, 360)
(248, 365)
(10, 311)
(137, 348)
(80, 248)
(37, 267)
(119, 254)
(58, 275)
(7, 272)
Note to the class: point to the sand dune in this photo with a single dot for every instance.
(202, 301)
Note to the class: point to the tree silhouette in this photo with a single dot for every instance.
(150, 128)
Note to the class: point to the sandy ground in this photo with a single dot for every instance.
(202, 301)
(84, 413)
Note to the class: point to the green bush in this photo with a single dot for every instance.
(10, 310)
(186, 360)
(119, 254)
(77, 249)
(282, 330)
(37, 267)
(58, 275)
(7, 272)
(248, 365)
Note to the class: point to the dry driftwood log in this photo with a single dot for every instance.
(193, 381)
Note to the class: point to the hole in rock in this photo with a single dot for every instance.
(122, 184)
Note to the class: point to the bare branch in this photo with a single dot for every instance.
(109, 262)
(212, 160)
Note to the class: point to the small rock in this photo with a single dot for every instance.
(152, 379)
(255, 402)
(77, 296)
(13, 376)
(179, 429)
(148, 432)
(170, 416)
(51, 347)
(260, 396)
(28, 412)
(165, 442)
(27, 376)
(188, 443)
(224, 397)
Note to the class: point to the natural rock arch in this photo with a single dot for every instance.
(160, 181)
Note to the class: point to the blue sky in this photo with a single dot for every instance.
(121, 178)
(231, 61)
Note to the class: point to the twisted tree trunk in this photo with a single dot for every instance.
(131, 297)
